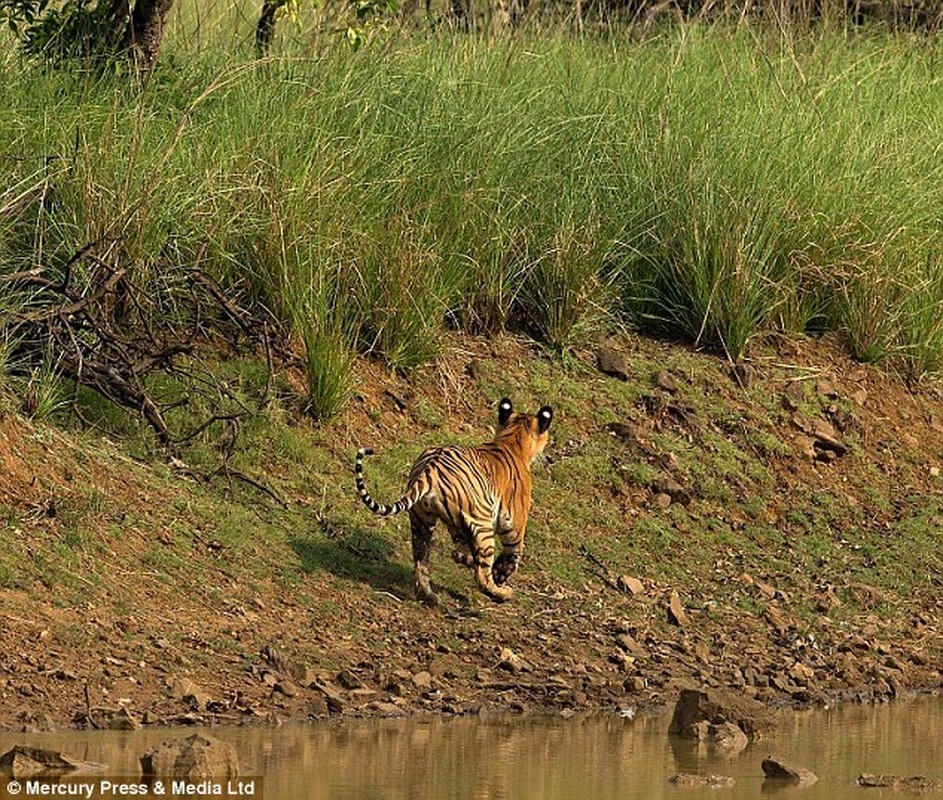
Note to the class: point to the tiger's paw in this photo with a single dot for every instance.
(503, 569)
(425, 595)
(500, 594)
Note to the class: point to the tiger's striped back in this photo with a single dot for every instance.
(478, 492)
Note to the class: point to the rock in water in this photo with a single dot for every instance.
(196, 757)
(913, 782)
(779, 769)
(714, 781)
(24, 762)
(697, 710)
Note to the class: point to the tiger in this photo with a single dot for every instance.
(478, 492)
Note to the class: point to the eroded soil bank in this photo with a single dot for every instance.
(772, 530)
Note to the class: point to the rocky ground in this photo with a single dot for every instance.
(124, 636)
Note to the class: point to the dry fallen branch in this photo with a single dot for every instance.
(103, 330)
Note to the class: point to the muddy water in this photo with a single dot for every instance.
(597, 758)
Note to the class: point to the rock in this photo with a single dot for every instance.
(630, 645)
(335, 700)
(806, 445)
(663, 500)
(122, 720)
(512, 662)
(860, 397)
(793, 395)
(349, 680)
(779, 769)
(826, 388)
(386, 709)
(23, 762)
(422, 681)
(914, 782)
(714, 707)
(613, 362)
(195, 757)
(728, 736)
(674, 490)
(801, 674)
(826, 439)
(630, 585)
(676, 614)
(687, 779)
(286, 688)
(744, 374)
(190, 693)
(665, 380)
(775, 618)
(447, 666)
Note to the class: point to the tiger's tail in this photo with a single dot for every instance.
(406, 502)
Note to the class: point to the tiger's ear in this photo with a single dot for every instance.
(504, 411)
(544, 418)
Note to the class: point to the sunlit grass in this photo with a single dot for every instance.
(710, 183)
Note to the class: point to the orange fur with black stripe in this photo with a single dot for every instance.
(479, 493)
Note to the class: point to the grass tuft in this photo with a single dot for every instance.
(710, 183)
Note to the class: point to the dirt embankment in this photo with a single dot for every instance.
(123, 603)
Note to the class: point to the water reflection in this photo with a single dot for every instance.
(516, 758)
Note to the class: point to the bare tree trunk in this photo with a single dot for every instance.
(265, 28)
(145, 33)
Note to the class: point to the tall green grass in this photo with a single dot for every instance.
(711, 183)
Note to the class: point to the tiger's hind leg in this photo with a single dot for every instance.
(461, 553)
(512, 548)
(482, 547)
(421, 529)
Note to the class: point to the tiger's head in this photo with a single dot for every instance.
(529, 432)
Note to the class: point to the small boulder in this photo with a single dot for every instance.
(188, 692)
(195, 757)
(121, 719)
(826, 439)
(687, 779)
(665, 380)
(744, 374)
(349, 680)
(335, 700)
(713, 707)
(793, 395)
(614, 362)
(913, 783)
(676, 615)
(778, 769)
(24, 762)
(630, 645)
(512, 662)
(422, 681)
(674, 490)
(630, 585)
(728, 736)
